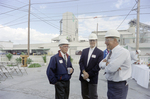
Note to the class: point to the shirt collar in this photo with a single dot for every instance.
(92, 48)
(115, 48)
(61, 54)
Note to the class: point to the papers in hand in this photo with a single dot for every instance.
(88, 80)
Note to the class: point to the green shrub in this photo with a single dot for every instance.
(22, 53)
(29, 60)
(19, 60)
(71, 59)
(34, 65)
(9, 56)
(44, 58)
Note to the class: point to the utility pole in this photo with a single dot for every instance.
(137, 28)
(60, 26)
(29, 29)
(97, 35)
(97, 32)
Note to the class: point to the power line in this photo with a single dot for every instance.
(93, 12)
(55, 2)
(78, 18)
(15, 19)
(10, 6)
(44, 21)
(12, 10)
(84, 13)
(97, 17)
(81, 5)
(15, 24)
(21, 2)
(43, 14)
(52, 23)
(126, 15)
(49, 23)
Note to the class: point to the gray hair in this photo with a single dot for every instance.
(117, 38)
(60, 45)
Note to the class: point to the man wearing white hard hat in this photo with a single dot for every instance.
(89, 69)
(117, 65)
(59, 71)
(134, 56)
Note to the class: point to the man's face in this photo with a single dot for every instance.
(110, 43)
(92, 43)
(64, 48)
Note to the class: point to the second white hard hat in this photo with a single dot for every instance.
(63, 41)
(112, 33)
(92, 36)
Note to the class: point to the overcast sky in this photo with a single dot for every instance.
(46, 14)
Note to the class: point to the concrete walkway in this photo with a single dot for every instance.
(35, 85)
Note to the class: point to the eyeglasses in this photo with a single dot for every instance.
(108, 39)
(92, 40)
(65, 46)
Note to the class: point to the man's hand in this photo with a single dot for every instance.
(107, 63)
(71, 70)
(119, 69)
(138, 61)
(104, 60)
(86, 75)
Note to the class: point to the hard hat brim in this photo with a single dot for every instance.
(112, 36)
(92, 38)
(64, 44)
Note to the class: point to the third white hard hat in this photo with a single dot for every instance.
(63, 41)
(112, 33)
(92, 36)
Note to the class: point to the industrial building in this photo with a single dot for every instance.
(68, 28)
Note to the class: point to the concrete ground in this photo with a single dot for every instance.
(35, 85)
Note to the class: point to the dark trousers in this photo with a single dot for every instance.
(62, 89)
(117, 90)
(89, 91)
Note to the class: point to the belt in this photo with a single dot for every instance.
(117, 82)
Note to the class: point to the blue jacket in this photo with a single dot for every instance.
(93, 66)
(57, 70)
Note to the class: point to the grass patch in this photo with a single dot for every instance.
(34, 65)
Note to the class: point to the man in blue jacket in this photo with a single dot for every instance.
(89, 69)
(59, 71)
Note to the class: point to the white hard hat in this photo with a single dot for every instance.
(63, 41)
(139, 51)
(112, 33)
(92, 36)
